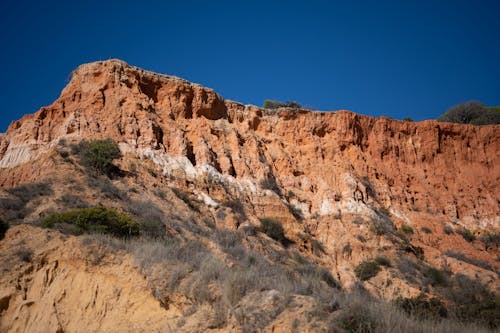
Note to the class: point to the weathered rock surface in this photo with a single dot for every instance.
(332, 162)
(48, 280)
(326, 176)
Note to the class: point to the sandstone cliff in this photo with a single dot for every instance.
(332, 161)
(331, 178)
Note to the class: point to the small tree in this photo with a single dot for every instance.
(270, 104)
(464, 113)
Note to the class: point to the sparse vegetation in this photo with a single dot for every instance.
(64, 154)
(24, 254)
(426, 230)
(407, 229)
(490, 239)
(381, 226)
(473, 302)
(467, 235)
(72, 201)
(184, 196)
(24, 198)
(383, 261)
(270, 104)
(273, 229)
(416, 250)
(237, 207)
(361, 314)
(95, 219)
(423, 307)
(367, 269)
(462, 257)
(269, 183)
(106, 187)
(447, 229)
(188, 267)
(436, 277)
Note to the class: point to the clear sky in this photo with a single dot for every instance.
(400, 58)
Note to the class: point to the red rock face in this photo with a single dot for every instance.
(324, 163)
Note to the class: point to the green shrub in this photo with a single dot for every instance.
(383, 261)
(95, 219)
(426, 230)
(422, 307)
(3, 228)
(64, 154)
(273, 229)
(400, 234)
(366, 270)
(407, 229)
(270, 104)
(408, 119)
(98, 155)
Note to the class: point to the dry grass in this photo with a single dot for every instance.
(227, 285)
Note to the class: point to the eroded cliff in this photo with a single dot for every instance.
(330, 178)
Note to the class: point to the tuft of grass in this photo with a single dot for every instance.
(72, 201)
(24, 254)
(426, 230)
(436, 277)
(407, 229)
(467, 235)
(94, 219)
(491, 240)
(184, 196)
(422, 307)
(447, 229)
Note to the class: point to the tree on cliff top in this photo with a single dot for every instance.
(472, 113)
(270, 104)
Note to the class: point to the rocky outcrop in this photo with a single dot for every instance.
(341, 184)
(326, 163)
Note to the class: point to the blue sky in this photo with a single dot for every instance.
(393, 58)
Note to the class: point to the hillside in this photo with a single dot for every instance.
(204, 175)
